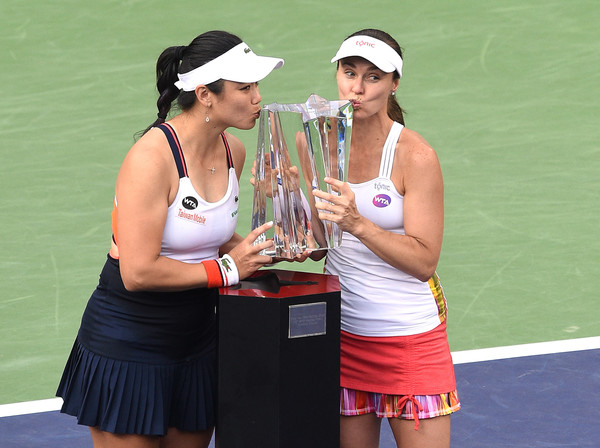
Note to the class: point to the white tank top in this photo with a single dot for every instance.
(378, 299)
(195, 228)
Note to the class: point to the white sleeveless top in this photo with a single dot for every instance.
(378, 299)
(195, 229)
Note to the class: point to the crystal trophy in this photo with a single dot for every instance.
(298, 146)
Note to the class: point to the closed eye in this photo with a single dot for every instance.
(249, 86)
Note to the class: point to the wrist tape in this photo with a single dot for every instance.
(221, 272)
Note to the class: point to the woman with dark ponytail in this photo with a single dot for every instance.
(395, 358)
(142, 370)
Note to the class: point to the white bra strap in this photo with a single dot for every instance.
(389, 149)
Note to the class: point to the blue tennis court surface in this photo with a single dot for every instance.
(546, 400)
(534, 401)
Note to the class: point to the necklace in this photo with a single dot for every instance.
(212, 170)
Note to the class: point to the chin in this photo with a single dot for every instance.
(248, 126)
(252, 123)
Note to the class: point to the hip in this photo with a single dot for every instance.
(145, 326)
(418, 364)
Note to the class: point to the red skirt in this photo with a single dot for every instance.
(419, 364)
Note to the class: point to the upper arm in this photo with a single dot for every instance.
(423, 196)
(142, 194)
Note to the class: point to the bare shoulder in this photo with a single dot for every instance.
(414, 150)
(152, 147)
(234, 142)
(416, 163)
(149, 159)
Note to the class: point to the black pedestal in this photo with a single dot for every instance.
(279, 350)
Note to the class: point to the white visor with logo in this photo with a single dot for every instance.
(239, 64)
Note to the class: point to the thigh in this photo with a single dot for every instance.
(102, 439)
(360, 431)
(185, 439)
(432, 432)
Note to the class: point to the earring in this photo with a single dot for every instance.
(207, 119)
(393, 93)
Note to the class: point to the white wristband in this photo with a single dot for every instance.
(229, 270)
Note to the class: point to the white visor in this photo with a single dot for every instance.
(373, 50)
(239, 64)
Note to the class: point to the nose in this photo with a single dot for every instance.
(256, 94)
(357, 85)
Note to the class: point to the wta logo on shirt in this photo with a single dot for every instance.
(382, 200)
(190, 202)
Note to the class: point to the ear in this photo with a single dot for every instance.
(395, 83)
(203, 95)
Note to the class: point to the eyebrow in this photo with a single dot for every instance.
(353, 65)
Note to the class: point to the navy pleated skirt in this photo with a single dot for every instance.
(134, 398)
(143, 362)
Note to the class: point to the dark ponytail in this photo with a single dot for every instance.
(394, 111)
(182, 59)
(166, 75)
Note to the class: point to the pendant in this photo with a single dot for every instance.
(212, 170)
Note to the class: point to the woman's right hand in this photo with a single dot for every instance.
(246, 254)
